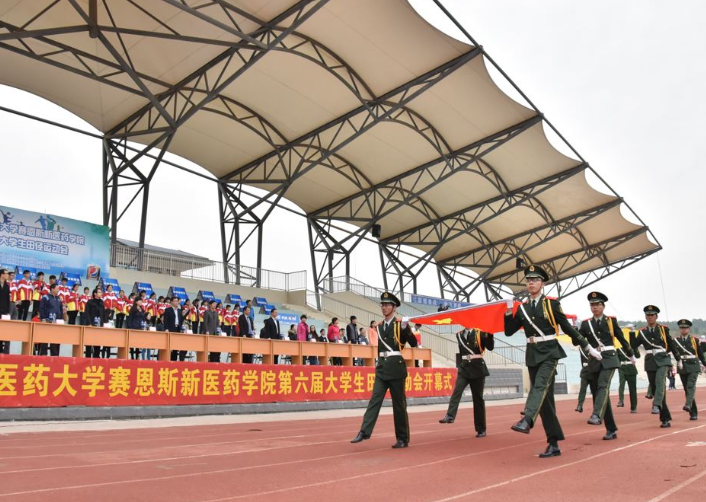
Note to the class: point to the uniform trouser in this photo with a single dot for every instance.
(658, 384)
(23, 311)
(631, 380)
(476, 385)
(119, 320)
(35, 306)
(214, 357)
(180, 355)
(540, 400)
(582, 391)
(600, 388)
(688, 380)
(72, 314)
(399, 407)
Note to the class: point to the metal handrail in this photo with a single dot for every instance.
(202, 269)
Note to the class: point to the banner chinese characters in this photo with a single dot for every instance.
(36, 381)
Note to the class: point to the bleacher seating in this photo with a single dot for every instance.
(71, 279)
(142, 286)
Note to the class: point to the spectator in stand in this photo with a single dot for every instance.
(302, 329)
(292, 333)
(227, 320)
(334, 336)
(322, 336)
(109, 301)
(82, 301)
(64, 290)
(252, 311)
(352, 330)
(194, 316)
(136, 320)
(72, 304)
(173, 323)
(51, 309)
(150, 307)
(210, 327)
(186, 314)
(14, 295)
(25, 289)
(272, 330)
(373, 333)
(38, 287)
(120, 309)
(246, 328)
(4, 304)
(311, 336)
(362, 339)
(96, 316)
(202, 310)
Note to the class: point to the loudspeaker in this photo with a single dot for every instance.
(520, 263)
(377, 231)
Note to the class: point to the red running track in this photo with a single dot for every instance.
(313, 460)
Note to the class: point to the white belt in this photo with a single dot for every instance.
(606, 347)
(625, 363)
(390, 353)
(688, 357)
(655, 351)
(468, 357)
(537, 339)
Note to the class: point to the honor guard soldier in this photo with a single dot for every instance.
(472, 343)
(657, 342)
(627, 374)
(692, 358)
(390, 373)
(541, 317)
(584, 381)
(602, 332)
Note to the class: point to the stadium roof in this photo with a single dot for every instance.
(355, 110)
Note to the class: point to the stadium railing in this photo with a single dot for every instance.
(30, 333)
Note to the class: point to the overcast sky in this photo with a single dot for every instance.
(623, 81)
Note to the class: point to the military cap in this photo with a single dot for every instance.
(684, 323)
(535, 271)
(651, 309)
(596, 297)
(388, 297)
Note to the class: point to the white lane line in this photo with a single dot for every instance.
(556, 468)
(678, 487)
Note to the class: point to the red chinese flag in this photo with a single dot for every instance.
(486, 317)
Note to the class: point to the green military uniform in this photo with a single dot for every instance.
(390, 373)
(601, 333)
(541, 319)
(628, 374)
(471, 372)
(657, 343)
(584, 381)
(692, 356)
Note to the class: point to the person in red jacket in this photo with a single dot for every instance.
(25, 288)
(119, 308)
(38, 287)
(82, 300)
(64, 290)
(72, 304)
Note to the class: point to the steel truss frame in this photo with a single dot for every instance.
(168, 106)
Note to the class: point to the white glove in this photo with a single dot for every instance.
(633, 360)
(510, 302)
(405, 321)
(594, 353)
(680, 365)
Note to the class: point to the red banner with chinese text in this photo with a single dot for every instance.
(38, 382)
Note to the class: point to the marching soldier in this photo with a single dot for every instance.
(472, 343)
(541, 317)
(628, 374)
(584, 381)
(657, 342)
(601, 332)
(390, 373)
(692, 357)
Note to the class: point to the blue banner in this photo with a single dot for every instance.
(178, 292)
(436, 302)
(288, 319)
(53, 244)
(142, 286)
(106, 281)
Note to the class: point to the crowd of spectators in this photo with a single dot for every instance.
(55, 301)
